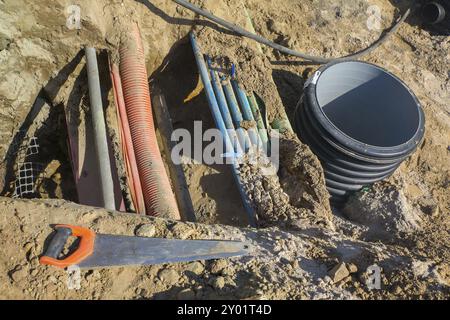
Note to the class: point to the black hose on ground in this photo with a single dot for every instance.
(241, 31)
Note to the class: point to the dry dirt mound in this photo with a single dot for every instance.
(282, 265)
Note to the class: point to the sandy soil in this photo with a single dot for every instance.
(400, 224)
(290, 264)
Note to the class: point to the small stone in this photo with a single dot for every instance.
(327, 279)
(169, 276)
(186, 294)
(34, 272)
(195, 267)
(339, 272)
(153, 271)
(219, 283)
(180, 231)
(347, 279)
(228, 271)
(217, 266)
(146, 230)
(397, 290)
(352, 268)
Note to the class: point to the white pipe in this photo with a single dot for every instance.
(98, 121)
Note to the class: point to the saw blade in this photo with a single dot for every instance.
(113, 250)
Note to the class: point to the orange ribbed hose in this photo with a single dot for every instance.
(158, 195)
(127, 143)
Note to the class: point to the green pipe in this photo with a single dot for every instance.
(262, 131)
(282, 124)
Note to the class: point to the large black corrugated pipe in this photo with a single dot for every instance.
(361, 121)
(433, 13)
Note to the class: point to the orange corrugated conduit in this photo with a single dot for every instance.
(158, 196)
(127, 143)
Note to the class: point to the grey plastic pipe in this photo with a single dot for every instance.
(98, 122)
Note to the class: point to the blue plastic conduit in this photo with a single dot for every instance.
(235, 113)
(247, 112)
(214, 106)
(223, 106)
(212, 101)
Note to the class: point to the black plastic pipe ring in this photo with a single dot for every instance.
(361, 121)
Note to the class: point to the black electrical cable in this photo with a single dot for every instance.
(315, 59)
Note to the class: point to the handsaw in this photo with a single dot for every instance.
(105, 250)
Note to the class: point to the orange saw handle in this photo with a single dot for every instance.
(56, 246)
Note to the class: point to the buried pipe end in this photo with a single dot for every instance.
(361, 122)
(433, 13)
